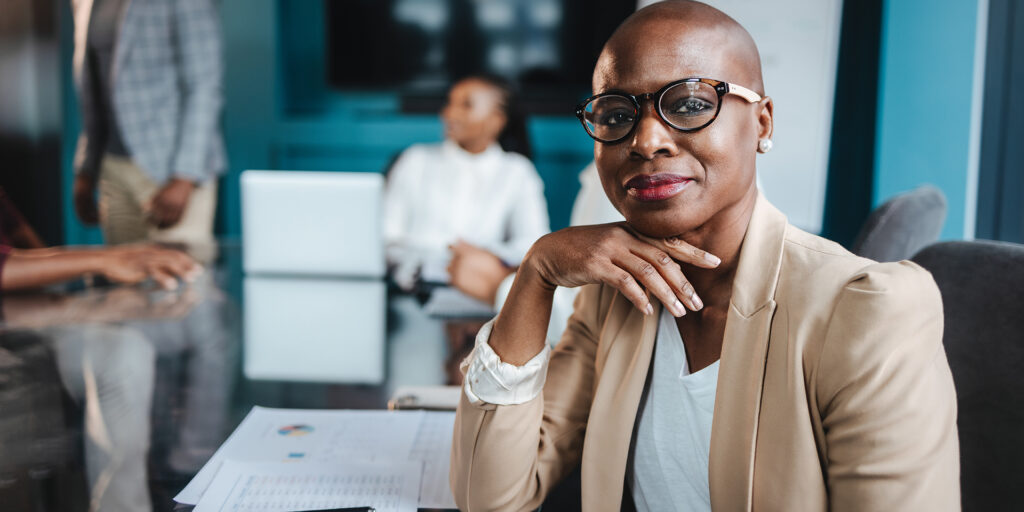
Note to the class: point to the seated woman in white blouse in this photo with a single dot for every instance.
(477, 189)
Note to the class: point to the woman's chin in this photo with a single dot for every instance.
(662, 223)
(660, 228)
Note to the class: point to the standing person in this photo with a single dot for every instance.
(802, 377)
(476, 190)
(148, 76)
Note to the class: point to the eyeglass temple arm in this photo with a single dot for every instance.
(744, 93)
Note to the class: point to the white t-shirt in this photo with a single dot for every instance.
(440, 193)
(668, 465)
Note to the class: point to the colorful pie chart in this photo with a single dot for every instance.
(295, 430)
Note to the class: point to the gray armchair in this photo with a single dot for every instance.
(903, 225)
(982, 286)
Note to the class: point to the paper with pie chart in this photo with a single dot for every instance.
(350, 436)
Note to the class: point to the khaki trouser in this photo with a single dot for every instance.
(125, 193)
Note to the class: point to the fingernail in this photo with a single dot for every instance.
(678, 308)
(649, 310)
(696, 301)
(712, 259)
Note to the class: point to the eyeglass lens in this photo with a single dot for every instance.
(686, 106)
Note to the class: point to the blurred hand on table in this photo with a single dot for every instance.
(476, 272)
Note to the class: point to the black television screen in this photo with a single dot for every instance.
(419, 47)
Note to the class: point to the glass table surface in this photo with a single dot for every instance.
(114, 397)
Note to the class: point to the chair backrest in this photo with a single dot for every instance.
(903, 225)
(982, 286)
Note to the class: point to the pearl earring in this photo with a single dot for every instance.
(764, 145)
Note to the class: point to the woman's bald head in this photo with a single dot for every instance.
(685, 29)
(658, 45)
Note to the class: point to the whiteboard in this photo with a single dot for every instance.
(799, 45)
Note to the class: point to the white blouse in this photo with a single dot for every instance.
(440, 193)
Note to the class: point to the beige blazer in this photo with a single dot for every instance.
(833, 392)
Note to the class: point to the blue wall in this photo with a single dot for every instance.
(926, 91)
(280, 114)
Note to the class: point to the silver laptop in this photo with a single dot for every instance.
(314, 223)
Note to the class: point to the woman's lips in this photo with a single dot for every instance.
(656, 187)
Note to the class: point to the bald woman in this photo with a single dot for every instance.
(769, 369)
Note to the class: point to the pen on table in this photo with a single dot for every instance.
(350, 509)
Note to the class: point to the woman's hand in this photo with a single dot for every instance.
(613, 254)
(136, 263)
(616, 255)
(476, 272)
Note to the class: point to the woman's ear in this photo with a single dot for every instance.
(765, 122)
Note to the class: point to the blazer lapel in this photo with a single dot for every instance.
(744, 351)
(616, 401)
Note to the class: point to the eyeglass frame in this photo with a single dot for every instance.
(721, 88)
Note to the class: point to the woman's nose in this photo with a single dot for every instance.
(652, 136)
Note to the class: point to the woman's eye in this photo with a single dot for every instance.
(692, 106)
(615, 117)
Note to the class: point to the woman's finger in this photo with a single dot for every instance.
(181, 266)
(671, 272)
(648, 275)
(680, 250)
(164, 278)
(623, 281)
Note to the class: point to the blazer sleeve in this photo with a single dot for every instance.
(885, 394)
(197, 29)
(508, 457)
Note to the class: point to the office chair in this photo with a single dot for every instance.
(982, 286)
(903, 225)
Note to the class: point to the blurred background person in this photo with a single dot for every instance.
(26, 262)
(148, 76)
(476, 193)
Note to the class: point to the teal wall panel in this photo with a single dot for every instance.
(926, 91)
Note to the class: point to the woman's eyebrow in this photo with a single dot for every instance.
(614, 91)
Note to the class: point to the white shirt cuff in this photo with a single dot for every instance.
(489, 380)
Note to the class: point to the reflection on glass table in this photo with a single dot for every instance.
(320, 330)
(89, 382)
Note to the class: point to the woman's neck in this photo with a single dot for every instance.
(722, 236)
(474, 147)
